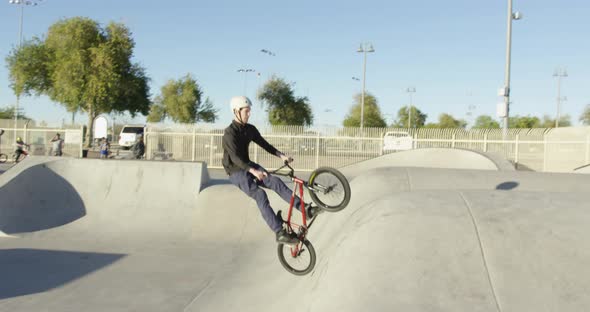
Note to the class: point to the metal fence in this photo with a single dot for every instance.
(39, 139)
(559, 150)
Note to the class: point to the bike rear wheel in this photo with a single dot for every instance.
(3, 158)
(329, 189)
(297, 259)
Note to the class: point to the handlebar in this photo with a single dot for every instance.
(290, 174)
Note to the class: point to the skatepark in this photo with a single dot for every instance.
(425, 230)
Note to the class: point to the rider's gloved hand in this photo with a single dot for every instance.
(286, 159)
(258, 174)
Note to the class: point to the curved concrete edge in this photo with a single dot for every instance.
(501, 163)
(48, 193)
(447, 158)
(583, 169)
(27, 163)
(2, 234)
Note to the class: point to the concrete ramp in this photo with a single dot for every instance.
(583, 169)
(450, 158)
(108, 197)
(411, 239)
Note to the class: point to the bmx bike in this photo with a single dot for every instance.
(330, 191)
(24, 153)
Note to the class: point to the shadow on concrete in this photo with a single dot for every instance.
(506, 186)
(31, 271)
(38, 199)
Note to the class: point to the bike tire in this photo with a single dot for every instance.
(285, 257)
(3, 158)
(340, 195)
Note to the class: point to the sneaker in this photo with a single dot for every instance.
(312, 211)
(286, 238)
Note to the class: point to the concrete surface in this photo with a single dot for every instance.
(92, 235)
(439, 158)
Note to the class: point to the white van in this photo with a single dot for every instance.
(129, 134)
(397, 141)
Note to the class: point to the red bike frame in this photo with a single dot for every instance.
(298, 185)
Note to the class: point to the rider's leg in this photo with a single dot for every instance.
(277, 185)
(246, 183)
(17, 153)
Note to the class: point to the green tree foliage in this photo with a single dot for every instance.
(447, 121)
(524, 122)
(182, 101)
(585, 117)
(84, 67)
(373, 117)
(549, 122)
(418, 118)
(486, 122)
(157, 113)
(284, 108)
(8, 113)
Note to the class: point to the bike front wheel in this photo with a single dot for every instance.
(329, 189)
(297, 259)
(3, 158)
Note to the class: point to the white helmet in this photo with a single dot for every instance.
(238, 102)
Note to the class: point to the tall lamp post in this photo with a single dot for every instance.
(559, 73)
(246, 71)
(364, 48)
(22, 4)
(410, 90)
(506, 89)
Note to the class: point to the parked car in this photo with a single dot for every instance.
(397, 141)
(128, 135)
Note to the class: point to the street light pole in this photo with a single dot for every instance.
(22, 4)
(511, 16)
(559, 73)
(410, 90)
(364, 48)
(246, 71)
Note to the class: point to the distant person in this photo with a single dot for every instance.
(104, 148)
(249, 176)
(20, 145)
(1, 133)
(57, 145)
(138, 148)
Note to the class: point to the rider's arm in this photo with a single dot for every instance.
(258, 139)
(230, 145)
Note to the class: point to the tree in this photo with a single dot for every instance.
(447, 121)
(181, 100)
(418, 118)
(8, 113)
(84, 67)
(157, 113)
(485, 122)
(585, 117)
(524, 122)
(548, 122)
(372, 118)
(284, 108)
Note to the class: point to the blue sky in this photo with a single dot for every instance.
(452, 52)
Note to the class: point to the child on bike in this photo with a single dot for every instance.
(20, 144)
(249, 176)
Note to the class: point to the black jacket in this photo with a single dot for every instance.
(236, 140)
